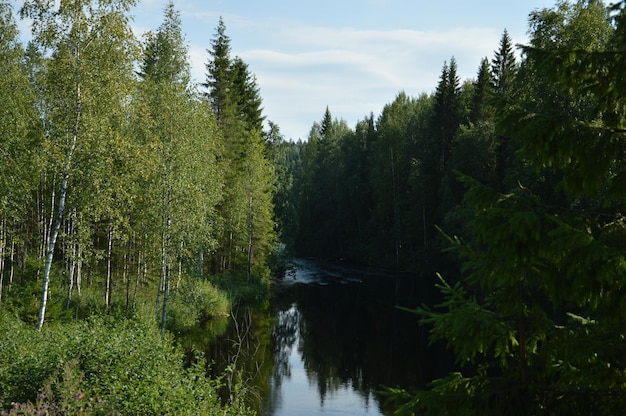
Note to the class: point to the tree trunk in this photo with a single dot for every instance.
(72, 259)
(166, 294)
(58, 219)
(79, 269)
(250, 230)
(53, 239)
(180, 265)
(12, 264)
(3, 243)
(166, 278)
(127, 260)
(107, 289)
(201, 262)
(162, 276)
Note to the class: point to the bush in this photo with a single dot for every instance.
(195, 302)
(101, 366)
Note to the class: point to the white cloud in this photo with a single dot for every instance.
(302, 68)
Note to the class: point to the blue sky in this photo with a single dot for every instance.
(353, 56)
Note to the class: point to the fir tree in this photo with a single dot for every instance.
(447, 110)
(326, 124)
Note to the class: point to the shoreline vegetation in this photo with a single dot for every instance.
(89, 360)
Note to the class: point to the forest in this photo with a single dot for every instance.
(136, 205)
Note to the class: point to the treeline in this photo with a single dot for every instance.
(118, 174)
(523, 172)
(378, 192)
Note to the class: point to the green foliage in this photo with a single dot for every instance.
(539, 307)
(103, 366)
(247, 214)
(469, 327)
(194, 302)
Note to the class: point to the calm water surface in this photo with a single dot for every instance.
(330, 340)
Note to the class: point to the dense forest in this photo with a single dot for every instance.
(135, 204)
(124, 188)
(511, 187)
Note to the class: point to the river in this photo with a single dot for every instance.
(330, 340)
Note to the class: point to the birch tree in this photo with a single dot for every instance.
(19, 141)
(90, 47)
(179, 128)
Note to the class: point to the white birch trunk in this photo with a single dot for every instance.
(109, 278)
(166, 277)
(58, 219)
(53, 238)
(12, 269)
(3, 244)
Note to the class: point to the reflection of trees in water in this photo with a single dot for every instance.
(284, 336)
(349, 336)
(334, 342)
(353, 336)
(242, 356)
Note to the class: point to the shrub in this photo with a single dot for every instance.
(194, 302)
(102, 366)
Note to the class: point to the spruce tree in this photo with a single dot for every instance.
(538, 309)
(248, 232)
(248, 95)
(481, 108)
(447, 110)
(503, 65)
(326, 124)
(218, 76)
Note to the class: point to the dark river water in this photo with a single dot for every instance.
(330, 341)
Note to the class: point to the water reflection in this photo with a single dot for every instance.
(329, 340)
(296, 388)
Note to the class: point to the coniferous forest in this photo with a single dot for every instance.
(135, 205)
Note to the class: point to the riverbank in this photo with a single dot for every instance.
(90, 359)
(102, 365)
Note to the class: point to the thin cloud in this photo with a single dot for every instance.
(352, 70)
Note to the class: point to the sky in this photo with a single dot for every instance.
(353, 56)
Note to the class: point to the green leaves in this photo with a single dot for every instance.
(540, 300)
(469, 328)
(117, 366)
